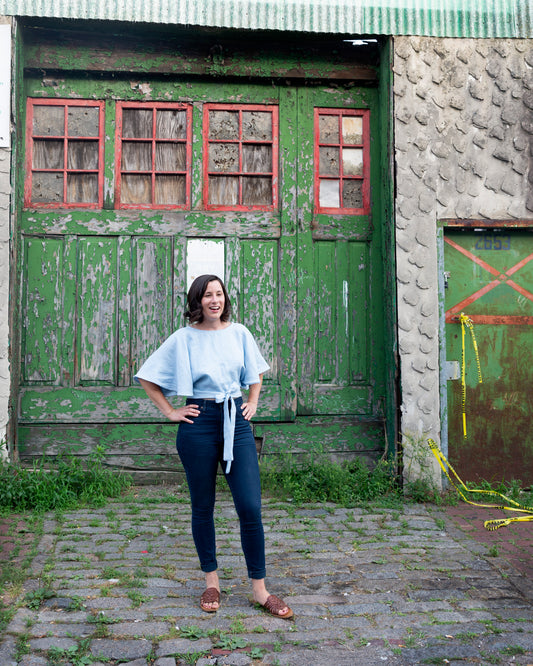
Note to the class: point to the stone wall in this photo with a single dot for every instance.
(5, 253)
(463, 145)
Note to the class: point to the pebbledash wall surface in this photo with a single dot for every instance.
(463, 127)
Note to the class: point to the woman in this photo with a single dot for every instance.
(210, 361)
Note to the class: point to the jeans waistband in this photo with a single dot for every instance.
(203, 403)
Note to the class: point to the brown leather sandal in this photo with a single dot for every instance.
(210, 596)
(274, 604)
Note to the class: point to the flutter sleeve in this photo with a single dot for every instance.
(169, 367)
(254, 363)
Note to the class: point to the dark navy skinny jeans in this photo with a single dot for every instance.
(200, 446)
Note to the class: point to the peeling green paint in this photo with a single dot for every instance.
(310, 287)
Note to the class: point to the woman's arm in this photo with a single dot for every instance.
(153, 391)
(249, 408)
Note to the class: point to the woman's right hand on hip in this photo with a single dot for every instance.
(185, 414)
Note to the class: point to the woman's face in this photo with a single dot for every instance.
(213, 301)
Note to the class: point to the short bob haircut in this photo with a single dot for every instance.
(196, 293)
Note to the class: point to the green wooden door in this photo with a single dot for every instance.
(210, 177)
(340, 269)
(490, 279)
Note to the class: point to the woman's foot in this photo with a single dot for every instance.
(274, 605)
(210, 599)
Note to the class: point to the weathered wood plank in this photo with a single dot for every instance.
(335, 399)
(124, 323)
(97, 310)
(99, 404)
(207, 55)
(144, 223)
(327, 435)
(260, 303)
(359, 320)
(42, 310)
(152, 302)
(326, 312)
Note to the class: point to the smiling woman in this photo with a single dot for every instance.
(209, 362)
(209, 303)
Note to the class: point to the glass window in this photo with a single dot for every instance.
(153, 155)
(240, 157)
(64, 153)
(342, 165)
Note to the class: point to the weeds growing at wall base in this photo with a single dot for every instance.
(65, 484)
(315, 478)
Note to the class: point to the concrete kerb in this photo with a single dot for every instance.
(367, 586)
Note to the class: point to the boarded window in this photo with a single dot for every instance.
(153, 155)
(240, 157)
(342, 163)
(64, 153)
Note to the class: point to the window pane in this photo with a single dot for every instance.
(257, 191)
(329, 194)
(82, 155)
(352, 161)
(256, 125)
(47, 188)
(170, 190)
(82, 121)
(352, 194)
(136, 156)
(257, 159)
(48, 120)
(171, 124)
(328, 129)
(82, 188)
(329, 161)
(137, 123)
(223, 190)
(136, 189)
(48, 154)
(352, 130)
(223, 157)
(170, 157)
(224, 125)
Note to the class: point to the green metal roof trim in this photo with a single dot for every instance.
(442, 18)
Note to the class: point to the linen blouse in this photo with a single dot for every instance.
(201, 363)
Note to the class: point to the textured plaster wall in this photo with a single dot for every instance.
(463, 146)
(5, 251)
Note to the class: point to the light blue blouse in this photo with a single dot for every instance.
(207, 364)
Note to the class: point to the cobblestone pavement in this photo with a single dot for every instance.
(368, 586)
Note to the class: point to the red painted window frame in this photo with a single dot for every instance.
(118, 154)
(365, 114)
(275, 151)
(30, 137)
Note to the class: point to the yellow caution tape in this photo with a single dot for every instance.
(462, 489)
(467, 322)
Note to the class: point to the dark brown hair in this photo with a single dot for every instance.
(196, 293)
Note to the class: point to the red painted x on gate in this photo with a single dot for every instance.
(501, 278)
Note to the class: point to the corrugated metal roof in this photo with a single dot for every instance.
(444, 18)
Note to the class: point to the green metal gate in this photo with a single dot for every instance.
(489, 277)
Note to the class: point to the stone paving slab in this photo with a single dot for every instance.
(367, 585)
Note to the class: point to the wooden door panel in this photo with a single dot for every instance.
(260, 303)
(97, 308)
(340, 300)
(341, 384)
(152, 303)
(42, 310)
